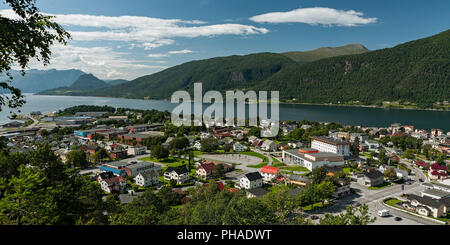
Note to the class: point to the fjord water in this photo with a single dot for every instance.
(375, 117)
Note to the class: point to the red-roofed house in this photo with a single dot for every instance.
(437, 171)
(269, 173)
(206, 170)
(422, 164)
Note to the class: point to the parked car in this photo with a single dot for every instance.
(421, 180)
(398, 219)
(383, 213)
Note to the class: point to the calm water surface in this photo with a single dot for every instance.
(375, 117)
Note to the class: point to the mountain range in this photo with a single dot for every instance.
(416, 73)
(38, 80)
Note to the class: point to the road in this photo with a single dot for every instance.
(35, 121)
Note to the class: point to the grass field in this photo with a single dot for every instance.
(385, 184)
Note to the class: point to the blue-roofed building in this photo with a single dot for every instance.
(120, 172)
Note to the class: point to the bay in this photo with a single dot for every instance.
(374, 117)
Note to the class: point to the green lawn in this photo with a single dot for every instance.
(385, 184)
(295, 168)
(392, 202)
(315, 206)
(257, 165)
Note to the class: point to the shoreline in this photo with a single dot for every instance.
(281, 103)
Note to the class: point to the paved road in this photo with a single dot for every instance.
(35, 122)
(265, 154)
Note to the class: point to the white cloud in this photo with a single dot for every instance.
(316, 16)
(158, 55)
(184, 51)
(169, 53)
(126, 31)
(148, 32)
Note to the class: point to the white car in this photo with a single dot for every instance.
(383, 213)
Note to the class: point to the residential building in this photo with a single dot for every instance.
(135, 168)
(371, 178)
(180, 174)
(269, 173)
(147, 178)
(327, 144)
(116, 183)
(251, 181)
(136, 150)
(342, 188)
(238, 147)
(372, 144)
(269, 145)
(426, 205)
(206, 170)
(437, 171)
(118, 154)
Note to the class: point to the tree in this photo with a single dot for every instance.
(390, 174)
(355, 147)
(382, 158)
(23, 39)
(77, 158)
(352, 216)
(409, 154)
(326, 190)
(159, 152)
(219, 170)
(209, 145)
(318, 175)
(254, 131)
(99, 155)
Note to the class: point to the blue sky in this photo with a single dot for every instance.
(155, 35)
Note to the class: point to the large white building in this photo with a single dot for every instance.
(327, 144)
(312, 158)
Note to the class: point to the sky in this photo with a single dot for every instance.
(115, 39)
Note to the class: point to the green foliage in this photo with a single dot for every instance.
(352, 216)
(77, 158)
(38, 189)
(84, 108)
(325, 52)
(216, 74)
(22, 39)
(159, 152)
(209, 145)
(414, 73)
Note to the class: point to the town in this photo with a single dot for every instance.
(314, 170)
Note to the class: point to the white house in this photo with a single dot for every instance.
(238, 147)
(251, 180)
(372, 144)
(147, 178)
(180, 174)
(269, 145)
